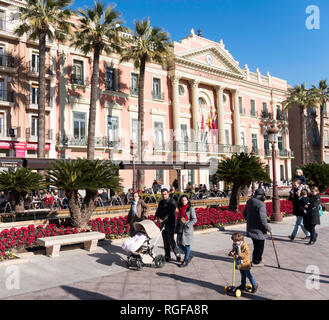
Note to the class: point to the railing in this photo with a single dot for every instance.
(80, 81)
(34, 100)
(10, 132)
(35, 68)
(254, 113)
(280, 116)
(266, 115)
(158, 95)
(73, 140)
(7, 95)
(7, 61)
(7, 26)
(133, 91)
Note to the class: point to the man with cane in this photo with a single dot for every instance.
(257, 226)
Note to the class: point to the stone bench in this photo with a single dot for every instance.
(53, 244)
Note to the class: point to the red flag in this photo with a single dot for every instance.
(202, 124)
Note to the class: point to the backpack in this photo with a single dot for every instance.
(320, 210)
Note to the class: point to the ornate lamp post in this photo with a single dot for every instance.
(276, 214)
(132, 146)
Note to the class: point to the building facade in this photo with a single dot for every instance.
(203, 108)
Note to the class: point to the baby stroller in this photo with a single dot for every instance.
(141, 246)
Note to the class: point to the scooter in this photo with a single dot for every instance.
(232, 290)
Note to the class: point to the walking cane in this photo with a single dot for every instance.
(275, 250)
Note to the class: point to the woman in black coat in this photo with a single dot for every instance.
(312, 217)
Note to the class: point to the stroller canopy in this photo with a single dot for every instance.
(147, 226)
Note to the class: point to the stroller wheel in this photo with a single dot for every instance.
(159, 261)
(128, 263)
(139, 264)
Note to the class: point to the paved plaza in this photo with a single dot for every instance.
(77, 274)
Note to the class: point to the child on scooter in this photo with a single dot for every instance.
(240, 251)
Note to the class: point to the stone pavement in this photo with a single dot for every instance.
(77, 274)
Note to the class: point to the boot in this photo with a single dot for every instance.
(254, 288)
(184, 264)
(291, 238)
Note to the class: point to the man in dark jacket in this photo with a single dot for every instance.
(257, 226)
(166, 214)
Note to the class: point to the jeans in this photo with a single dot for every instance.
(258, 250)
(186, 250)
(168, 240)
(299, 223)
(247, 274)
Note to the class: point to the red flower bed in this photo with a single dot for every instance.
(324, 200)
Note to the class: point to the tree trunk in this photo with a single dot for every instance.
(302, 134)
(17, 202)
(92, 108)
(140, 173)
(74, 208)
(235, 197)
(322, 133)
(88, 207)
(42, 96)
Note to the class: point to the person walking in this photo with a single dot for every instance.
(166, 214)
(312, 217)
(184, 228)
(139, 211)
(294, 196)
(257, 226)
(240, 251)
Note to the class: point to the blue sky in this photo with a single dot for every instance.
(267, 34)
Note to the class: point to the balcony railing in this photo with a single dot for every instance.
(80, 81)
(158, 95)
(7, 61)
(254, 113)
(280, 116)
(133, 91)
(100, 142)
(266, 115)
(34, 100)
(34, 68)
(10, 132)
(282, 153)
(7, 95)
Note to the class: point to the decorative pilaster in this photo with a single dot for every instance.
(175, 107)
(220, 115)
(195, 109)
(236, 118)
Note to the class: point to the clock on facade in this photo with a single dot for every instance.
(209, 58)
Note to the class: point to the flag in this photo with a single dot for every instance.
(209, 122)
(202, 125)
(214, 125)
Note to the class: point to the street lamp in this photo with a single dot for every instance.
(276, 214)
(132, 146)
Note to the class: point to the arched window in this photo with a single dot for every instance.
(202, 101)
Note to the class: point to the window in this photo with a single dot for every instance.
(181, 90)
(134, 84)
(280, 143)
(190, 177)
(281, 172)
(241, 105)
(156, 88)
(227, 137)
(79, 126)
(316, 157)
(252, 108)
(34, 93)
(184, 135)
(2, 124)
(2, 20)
(326, 141)
(279, 113)
(34, 126)
(327, 159)
(134, 131)
(109, 78)
(265, 113)
(2, 57)
(243, 139)
(315, 136)
(2, 93)
(77, 72)
(202, 101)
(35, 62)
(113, 130)
(158, 135)
(159, 175)
(254, 143)
(324, 113)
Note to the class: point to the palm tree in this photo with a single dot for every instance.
(322, 94)
(303, 98)
(82, 174)
(98, 31)
(148, 44)
(18, 183)
(44, 20)
(241, 169)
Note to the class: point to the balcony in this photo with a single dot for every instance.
(33, 134)
(7, 96)
(10, 132)
(253, 113)
(33, 101)
(280, 116)
(7, 29)
(33, 69)
(266, 115)
(7, 62)
(133, 91)
(157, 95)
(79, 81)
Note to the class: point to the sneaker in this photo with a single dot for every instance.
(254, 288)
(307, 237)
(260, 264)
(311, 242)
(241, 288)
(190, 258)
(184, 264)
(291, 238)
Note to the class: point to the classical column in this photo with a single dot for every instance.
(236, 118)
(195, 109)
(175, 107)
(220, 115)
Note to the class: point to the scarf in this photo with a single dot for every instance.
(182, 211)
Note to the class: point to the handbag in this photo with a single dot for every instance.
(320, 210)
(179, 228)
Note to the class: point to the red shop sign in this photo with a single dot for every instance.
(5, 145)
(34, 146)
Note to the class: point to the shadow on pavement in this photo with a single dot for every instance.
(84, 294)
(113, 255)
(205, 284)
(298, 271)
(207, 256)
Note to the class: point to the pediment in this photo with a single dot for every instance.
(214, 58)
